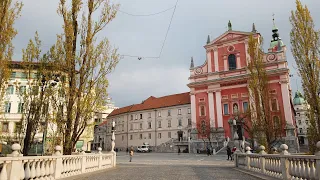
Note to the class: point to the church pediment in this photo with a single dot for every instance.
(229, 36)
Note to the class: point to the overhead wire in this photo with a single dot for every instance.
(146, 14)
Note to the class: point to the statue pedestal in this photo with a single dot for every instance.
(291, 140)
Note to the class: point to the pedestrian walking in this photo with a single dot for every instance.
(179, 151)
(131, 154)
(229, 153)
(232, 152)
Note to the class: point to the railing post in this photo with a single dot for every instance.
(284, 161)
(114, 159)
(14, 169)
(100, 158)
(262, 159)
(236, 162)
(248, 151)
(83, 161)
(58, 163)
(318, 161)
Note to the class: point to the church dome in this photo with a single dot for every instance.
(298, 99)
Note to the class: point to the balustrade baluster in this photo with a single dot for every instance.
(307, 169)
(22, 170)
(47, 168)
(4, 173)
(27, 171)
(38, 169)
(42, 168)
(33, 170)
(52, 169)
(301, 168)
(312, 170)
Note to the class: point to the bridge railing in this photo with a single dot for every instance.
(17, 167)
(282, 165)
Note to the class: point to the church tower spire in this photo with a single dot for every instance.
(276, 42)
(208, 40)
(192, 64)
(254, 28)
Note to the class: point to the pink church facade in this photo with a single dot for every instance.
(220, 86)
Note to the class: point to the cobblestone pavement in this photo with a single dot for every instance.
(161, 166)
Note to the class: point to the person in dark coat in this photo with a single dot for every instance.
(229, 153)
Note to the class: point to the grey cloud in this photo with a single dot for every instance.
(134, 80)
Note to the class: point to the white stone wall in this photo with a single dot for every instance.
(136, 136)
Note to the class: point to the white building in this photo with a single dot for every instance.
(301, 108)
(156, 121)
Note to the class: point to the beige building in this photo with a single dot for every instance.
(13, 109)
(156, 121)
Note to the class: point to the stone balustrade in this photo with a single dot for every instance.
(18, 167)
(282, 165)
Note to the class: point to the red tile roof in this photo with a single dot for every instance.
(154, 102)
(103, 123)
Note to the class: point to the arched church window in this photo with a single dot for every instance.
(202, 111)
(232, 62)
(274, 104)
(276, 121)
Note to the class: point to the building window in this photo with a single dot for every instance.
(131, 137)
(149, 115)
(149, 135)
(17, 127)
(299, 122)
(159, 124)
(202, 111)
(5, 127)
(169, 112)
(136, 116)
(140, 136)
(140, 116)
(276, 122)
(149, 125)
(189, 111)
(140, 125)
(180, 122)
(235, 108)
(23, 75)
(159, 114)
(20, 107)
(169, 134)
(159, 135)
(169, 123)
(13, 75)
(131, 126)
(131, 117)
(298, 114)
(274, 105)
(35, 90)
(226, 109)
(122, 127)
(232, 62)
(189, 122)
(10, 89)
(245, 106)
(300, 130)
(307, 122)
(7, 107)
(179, 111)
(22, 90)
(122, 137)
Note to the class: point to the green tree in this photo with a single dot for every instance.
(85, 61)
(9, 12)
(305, 47)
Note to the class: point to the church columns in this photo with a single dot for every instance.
(286, 101)
(238, 61)
(225, 63)
(216, 63)
(193, 111)
(211, 109)
(209, 61)
(219, 109)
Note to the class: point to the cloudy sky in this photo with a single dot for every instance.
(134, 80)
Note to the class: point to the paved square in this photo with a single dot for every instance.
(161, 166)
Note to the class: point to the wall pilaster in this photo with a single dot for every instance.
(211, 109)
(219, 108)
(193, 110)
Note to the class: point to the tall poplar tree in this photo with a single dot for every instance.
(86, 62)
(9, 12)
(305, 47)
(264, 130)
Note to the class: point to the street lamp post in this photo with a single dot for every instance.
(113, 136)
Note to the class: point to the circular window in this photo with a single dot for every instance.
(231, 48)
